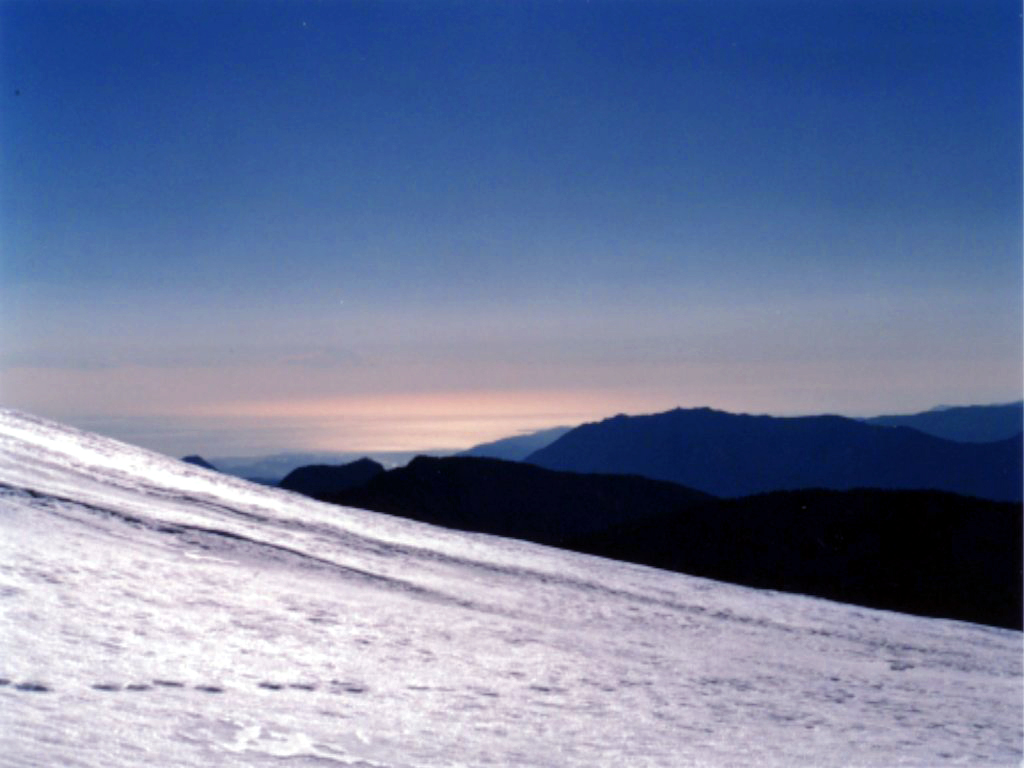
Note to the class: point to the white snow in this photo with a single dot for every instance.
(176, 616)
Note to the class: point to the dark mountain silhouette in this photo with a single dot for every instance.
(318, 479)
(272, 469)
(737, 455)
(964, 424)
(513, 499)
(199, 461)
(925, 552)
(922, 552)
(518, 447)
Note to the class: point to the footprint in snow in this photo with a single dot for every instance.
(32, 687)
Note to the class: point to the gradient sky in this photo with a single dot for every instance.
(243, 227)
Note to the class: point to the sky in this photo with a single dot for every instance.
(238, 228)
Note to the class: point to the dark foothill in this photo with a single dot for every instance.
(318, 479)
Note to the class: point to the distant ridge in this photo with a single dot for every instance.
(518, 447)
(966, 424)
(318, 479)
(728, 454)
(273, 468)
(513, 499)
(199, 461)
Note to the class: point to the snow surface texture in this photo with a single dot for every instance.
(154, 613)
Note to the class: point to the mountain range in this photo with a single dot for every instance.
(979, 423)
(729, 454)
(965, 424)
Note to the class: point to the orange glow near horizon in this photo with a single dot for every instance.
(424, 421)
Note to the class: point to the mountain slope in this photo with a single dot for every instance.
(738, 455)
(965, 424)
(518, 447)
(154, 613)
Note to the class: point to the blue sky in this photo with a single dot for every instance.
(246, 227)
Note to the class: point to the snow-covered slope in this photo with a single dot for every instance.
(154, 613)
